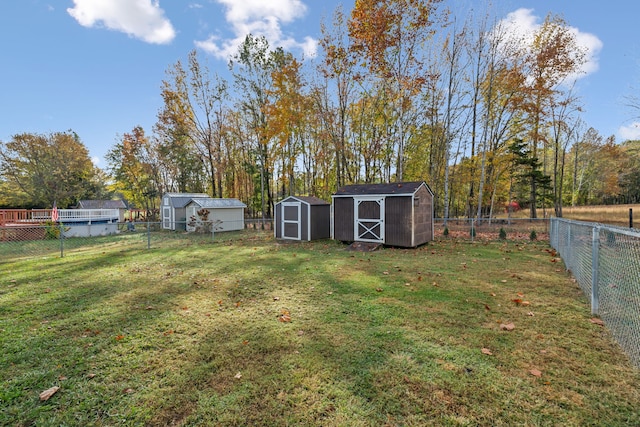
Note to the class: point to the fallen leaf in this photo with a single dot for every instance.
(91, 376)
(285, 316)
(518, 301)
(525, 303)
(535, 373)
(530, 314)
(128, 390)
(276, 298)
(507, 326)
(119, 337)
(503, 281)
(493, 294)
(378, 289)
(45, 395)
(245, 342)
(385, 273)
(487, 352)
(62, 378)
(486, 307)
(238, 376)
(596, 321)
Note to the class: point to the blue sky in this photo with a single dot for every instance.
(96, 66)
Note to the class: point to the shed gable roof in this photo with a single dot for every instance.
(395, 188)
(211, 203)
(180, 200)
(310, 200)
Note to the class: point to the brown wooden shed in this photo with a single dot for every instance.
(302, 218)
(398, 214)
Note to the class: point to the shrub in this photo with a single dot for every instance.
(533, 235)
(445, 233)
(503, 234)
(52, 230)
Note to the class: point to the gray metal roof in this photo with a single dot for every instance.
(217, 203)
(180, 200)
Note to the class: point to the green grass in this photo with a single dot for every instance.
(189, 333)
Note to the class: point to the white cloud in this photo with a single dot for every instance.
(95, 160)
(631, 132)
(259, 18)
(142, 19)
(522, 24)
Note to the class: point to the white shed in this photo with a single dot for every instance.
(172, 209)
(224, 214)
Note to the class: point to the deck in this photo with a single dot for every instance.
(12, 217)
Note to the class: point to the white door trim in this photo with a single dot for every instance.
(368, 225)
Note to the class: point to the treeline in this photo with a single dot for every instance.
(400, 90)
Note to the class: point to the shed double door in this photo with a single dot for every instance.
(369, 219)
(291, 220)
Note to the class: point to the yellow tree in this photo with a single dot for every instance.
(390, 36)
(553, 57)
(285, 111)
(133, 167)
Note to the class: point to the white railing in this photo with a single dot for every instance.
(79, 215)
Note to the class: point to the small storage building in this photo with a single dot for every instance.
(398, 214)
(224, 214)
(302, 218)
(173, 209)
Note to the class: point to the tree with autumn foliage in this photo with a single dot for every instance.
(193, 115)
(252, 68)
(552, 58)
(286, 108)
(390, 35)
(38, 170)
(133, 165)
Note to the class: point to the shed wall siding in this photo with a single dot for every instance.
(424, 217)
(304, 222)
(320, 224)
(277, 221)
(343, 219)
(398, 221)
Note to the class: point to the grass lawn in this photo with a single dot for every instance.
(250, 331)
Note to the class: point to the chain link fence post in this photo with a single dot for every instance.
(148, 235)
(595, 276)
(61, 231)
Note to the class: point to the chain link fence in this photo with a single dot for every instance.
(55, 239)
(492, 229)
(605, 261)
(60, 239)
